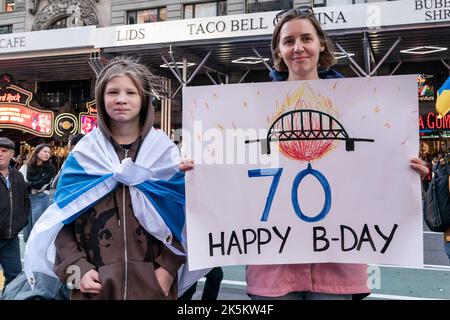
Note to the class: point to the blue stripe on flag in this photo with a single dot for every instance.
(74, 181)
(168, 199)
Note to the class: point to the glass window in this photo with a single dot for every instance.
(338, 2)
(9, 6)
(54, 94)
(188, 11)
(222, 9)
(205, 9)
(131, 17)
(147, 15)
(60, 24)
(324, 3)
(6, 29)
(68, 22)
(267, 5)
(320, 3)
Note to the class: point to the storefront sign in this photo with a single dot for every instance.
(367, 15)
(88, 120)
(87, 123)
(372, 16)
(16, 113)
(26, 118)
(66, 124)
(92, 107)
(40, 40)
(14, 94)
(430, 121)
(426, 87)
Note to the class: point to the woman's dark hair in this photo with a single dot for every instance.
(326, 57)
(34, 157)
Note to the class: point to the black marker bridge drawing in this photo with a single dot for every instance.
(297, 125)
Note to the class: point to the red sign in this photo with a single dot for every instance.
(88, 120)
(16, 113)
(25, 118)
(431, 121)
(87, 123)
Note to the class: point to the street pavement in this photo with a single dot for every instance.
(398, 283)
(395, 283)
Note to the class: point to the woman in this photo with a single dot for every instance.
(38, 172)
(299, 48)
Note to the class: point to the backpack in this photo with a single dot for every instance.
(436, 204)
(46, 288)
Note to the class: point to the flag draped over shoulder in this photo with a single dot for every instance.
(92, 171)
(443, 99)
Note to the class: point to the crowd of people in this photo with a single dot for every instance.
(120, 252)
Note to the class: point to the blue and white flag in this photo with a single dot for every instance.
(92, 171)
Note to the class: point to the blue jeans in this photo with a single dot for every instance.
(305, 295)
(39, 203)
(10, 258)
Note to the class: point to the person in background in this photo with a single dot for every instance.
(14, 211)
(73, 140)
(421, 167)
(38, 173)
(443, 169)
(211, 289)
(427, 178)
(19, 162)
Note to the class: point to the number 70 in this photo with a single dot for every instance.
(276, 173)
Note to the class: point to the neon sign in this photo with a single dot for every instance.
(88, 120)
(425, 87)
(16, 113)
(431, 121)
(65, 124)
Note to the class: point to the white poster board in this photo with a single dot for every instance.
(247, 207)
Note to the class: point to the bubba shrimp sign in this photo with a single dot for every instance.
(303, 172)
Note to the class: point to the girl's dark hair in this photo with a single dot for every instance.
(326, 57)
(34, 157)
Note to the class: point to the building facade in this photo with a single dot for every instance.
(54, 48)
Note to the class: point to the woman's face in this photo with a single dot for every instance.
(44, 154)
(122, 101)
(300, 49)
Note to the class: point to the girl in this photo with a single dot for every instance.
(38, 172)
(118, 215)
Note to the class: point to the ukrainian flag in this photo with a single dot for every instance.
(443, 99)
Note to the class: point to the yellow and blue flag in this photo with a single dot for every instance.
(443, 99)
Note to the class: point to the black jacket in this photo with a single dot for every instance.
(15, 205)
(40, 176)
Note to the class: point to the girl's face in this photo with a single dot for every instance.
(122, 101)
(44, 154)
(300, 49)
